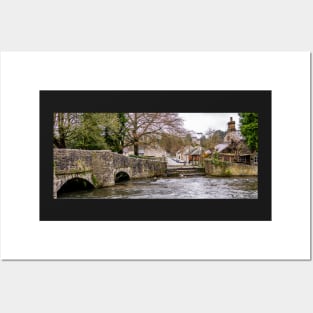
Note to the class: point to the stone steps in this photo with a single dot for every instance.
(185, 172)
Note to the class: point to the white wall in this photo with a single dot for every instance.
(243, 286)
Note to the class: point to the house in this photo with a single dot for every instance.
(223, 148)
(232, 135)
(194, 156)
(147, 151)
(226, 150)
(183, 153)
(189, 154)
(233, 149)
(250, 158)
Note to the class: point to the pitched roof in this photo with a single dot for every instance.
(222, 146)
(196, 151)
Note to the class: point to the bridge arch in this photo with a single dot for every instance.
(121, 175)
(75, 184)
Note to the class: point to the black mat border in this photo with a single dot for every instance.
(156, 209)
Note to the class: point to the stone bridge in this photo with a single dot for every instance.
(100, 168)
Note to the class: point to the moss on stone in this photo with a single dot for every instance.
(94, 180)
(227, 172)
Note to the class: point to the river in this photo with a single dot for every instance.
(202, 187)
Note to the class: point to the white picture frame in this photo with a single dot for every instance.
(286, 74)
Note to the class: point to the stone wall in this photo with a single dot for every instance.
(220, 168)
(103, 165)
(67, 160)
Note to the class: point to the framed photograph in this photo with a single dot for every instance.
(155, 156)
(110, 164)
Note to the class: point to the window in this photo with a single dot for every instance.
(256, 159)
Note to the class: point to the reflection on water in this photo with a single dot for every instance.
(176, 188)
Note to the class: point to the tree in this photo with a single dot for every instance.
(214, 137)
(188, 139)
(114, 136)
(84, 130)
(146, 128)
(88, 133)
(63, 125)
(171, 143)
(249, 129)
(203, 141)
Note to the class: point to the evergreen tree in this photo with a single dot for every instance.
(88, 134)
(114, 136)
(249, 129)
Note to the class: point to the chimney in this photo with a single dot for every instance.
(231, 125)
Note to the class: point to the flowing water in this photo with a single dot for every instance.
(175, 188)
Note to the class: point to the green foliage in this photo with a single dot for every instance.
(88, 133)
(249, 129)
(94, 180)
(227, 172)
(137, 156)
(215, 160)
(114, 135)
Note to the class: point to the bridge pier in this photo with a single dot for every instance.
(57, 183)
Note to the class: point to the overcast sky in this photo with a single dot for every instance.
(201, 122)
